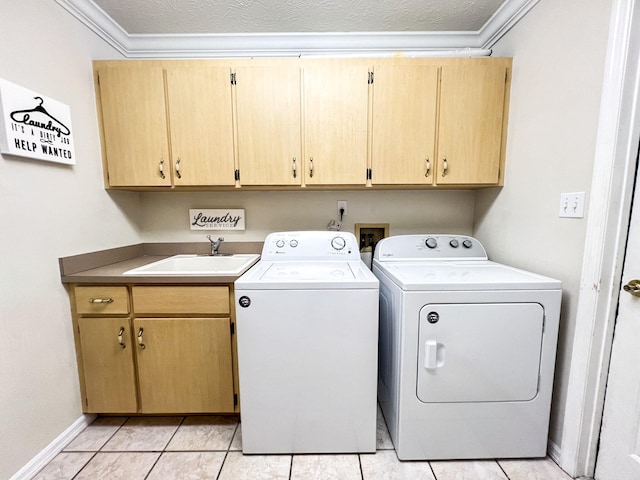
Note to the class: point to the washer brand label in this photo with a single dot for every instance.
(433, 317)
(244, 301)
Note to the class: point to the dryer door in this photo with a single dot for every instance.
(486, 352)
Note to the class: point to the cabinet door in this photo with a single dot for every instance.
(336, 101)
(185, 365)
(470, 129)
(107, 361)
(134, 123)
(268, 125)
(404, 124)
(201, 123)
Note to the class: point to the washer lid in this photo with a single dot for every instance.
(463, 275)
(296, 275)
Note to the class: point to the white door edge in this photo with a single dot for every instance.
(610, 201)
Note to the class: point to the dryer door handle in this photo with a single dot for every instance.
(430, 354)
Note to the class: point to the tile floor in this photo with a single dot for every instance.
(209, 448)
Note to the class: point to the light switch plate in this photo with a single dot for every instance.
(572, 205)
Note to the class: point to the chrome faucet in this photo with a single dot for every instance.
(215, 244)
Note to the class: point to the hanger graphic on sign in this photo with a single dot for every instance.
(42, 119)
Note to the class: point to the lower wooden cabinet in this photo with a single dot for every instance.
(130, 362)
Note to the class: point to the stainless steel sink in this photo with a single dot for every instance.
(197, 265)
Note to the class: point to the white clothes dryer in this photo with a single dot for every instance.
(307, 325)
(467, 350)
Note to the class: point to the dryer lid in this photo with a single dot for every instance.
(464, 275)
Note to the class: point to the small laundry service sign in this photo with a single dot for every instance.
(216, 219)
(34, 126)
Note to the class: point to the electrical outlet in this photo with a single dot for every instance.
(342, 205)
(572, 205)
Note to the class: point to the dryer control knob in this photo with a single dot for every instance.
(454, 243)
(431, 242)
(467, 244)
(338, 243)
(293, 243)
(279, 243)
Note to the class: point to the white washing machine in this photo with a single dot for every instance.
(307, 326)
(467, 350)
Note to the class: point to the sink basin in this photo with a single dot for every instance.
(197, 265)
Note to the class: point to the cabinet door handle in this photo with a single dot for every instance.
(427, 172)
(295, 171)
(178, 174)
(140, 342)
(311, 167)
(161, 168)
(120, 340)
(445, 166)
(101, 300)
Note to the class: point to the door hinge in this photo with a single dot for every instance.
(370, 81)
(233, 328)
(233, 79)
(237, 175)
(235, 399)
(369, 174)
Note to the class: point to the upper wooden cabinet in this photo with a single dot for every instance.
(470, 138)
(201, 125)
(134, 124)
(404, 124)
(438, 123)
(336, 106)
(268, 124)
(291, 123)
(138, 124)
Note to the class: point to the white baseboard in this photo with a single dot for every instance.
(38, 462)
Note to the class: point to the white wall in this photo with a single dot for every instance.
(165, 215)
(558, 53)
(48, 211)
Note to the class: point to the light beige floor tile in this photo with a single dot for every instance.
(325, 467)
(95, 435)
(118, 466)
(187, 466)
(204, 433)
(143, 434)
(255, 467)
(468, 470)
(64, 466)
(384, 465)
(383, 439)
(236, 443)
(533, 469)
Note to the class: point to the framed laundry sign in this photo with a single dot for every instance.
(216, 218)
(34, 126)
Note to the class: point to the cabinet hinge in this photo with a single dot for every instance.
(233, 328)
(235, 399)
(370, 81)
(233, 79)
(369, 174)
(86, 402)
(237, 174)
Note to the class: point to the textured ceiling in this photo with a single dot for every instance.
(274, 16)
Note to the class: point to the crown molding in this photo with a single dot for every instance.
(510, 13)
(299, 44)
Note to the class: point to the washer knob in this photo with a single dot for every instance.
(280, 243)
(338, 243)
(293, 243)
(431, 242)
(454, 243)
(467, 244)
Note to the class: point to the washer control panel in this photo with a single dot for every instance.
(311, 245)
(430, 247)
